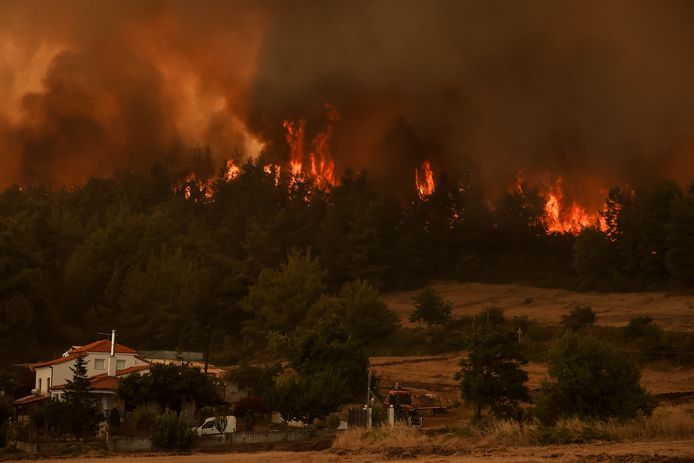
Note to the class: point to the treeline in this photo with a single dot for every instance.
(177, 266)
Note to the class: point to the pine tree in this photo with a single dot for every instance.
(81, 417)
(491, 375)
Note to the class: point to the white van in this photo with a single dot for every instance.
(208, 428)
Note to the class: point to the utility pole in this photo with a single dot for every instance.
(207, 349)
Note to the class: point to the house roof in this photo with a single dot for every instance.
(31, 399)
(103, 382)
(103, 345)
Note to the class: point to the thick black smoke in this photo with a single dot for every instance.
(598, 92)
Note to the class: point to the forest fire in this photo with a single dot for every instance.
(560, 218)
(322, 166)
(424, 180)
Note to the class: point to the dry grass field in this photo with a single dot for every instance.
(671, 311)
(435, 374)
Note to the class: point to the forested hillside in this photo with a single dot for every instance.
(171, 264)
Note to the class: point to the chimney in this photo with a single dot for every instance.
(112, 357)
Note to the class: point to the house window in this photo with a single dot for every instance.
(99, 364)
(40, 379)
(48, 384)
(120, 364)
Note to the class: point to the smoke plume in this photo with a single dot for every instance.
(597, 92)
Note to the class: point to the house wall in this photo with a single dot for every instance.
(43, 375)
(61, 371)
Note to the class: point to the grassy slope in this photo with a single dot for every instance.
(670, 311)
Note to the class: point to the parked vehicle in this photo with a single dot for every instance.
(212, 425)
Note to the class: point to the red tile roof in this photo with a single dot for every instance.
(30, 399)
(55, 361)
(103, 345)
(106, 383)
(103, 382)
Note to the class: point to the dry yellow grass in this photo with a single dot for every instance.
(548, 305)
(667, 423)
(379, 437)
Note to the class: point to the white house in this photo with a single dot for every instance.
(106, 361)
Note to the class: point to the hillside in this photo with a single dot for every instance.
(670, 311)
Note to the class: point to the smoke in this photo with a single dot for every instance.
(597, 92)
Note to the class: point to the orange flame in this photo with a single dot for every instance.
(295, 140)
(322, 167)
(274, 170)
(424, 182)
(565, 219)
(232, 171)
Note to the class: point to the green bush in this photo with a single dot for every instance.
(589, 378)
(579, 318)
(172, 432)
(143, 419)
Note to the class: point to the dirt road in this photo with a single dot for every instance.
(636, 452)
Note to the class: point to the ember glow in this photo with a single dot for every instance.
(424, 180)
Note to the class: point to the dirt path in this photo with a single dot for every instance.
(633, 452)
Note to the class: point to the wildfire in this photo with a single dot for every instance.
(322, 167)
(295, 140)
(565, 219)
(232, 171)
(424, 181)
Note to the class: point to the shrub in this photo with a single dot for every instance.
(251, 404)
(172, 432)
(579, 318)
(636, 327)
(143, 419)
(589, 378)
(431, 308)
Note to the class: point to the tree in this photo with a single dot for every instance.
(327, 370)
(680, 241)
(360, 310)
(589, 378)
(579, 318)
(280, 299)
(170, 292)
(168, 386)
(431, 308)
(491, 375)
(80, 414)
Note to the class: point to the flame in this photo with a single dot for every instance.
(275, 170)
(424, 183)
(295, 140)
(322, 167)
(232, 171)
(566, 219)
